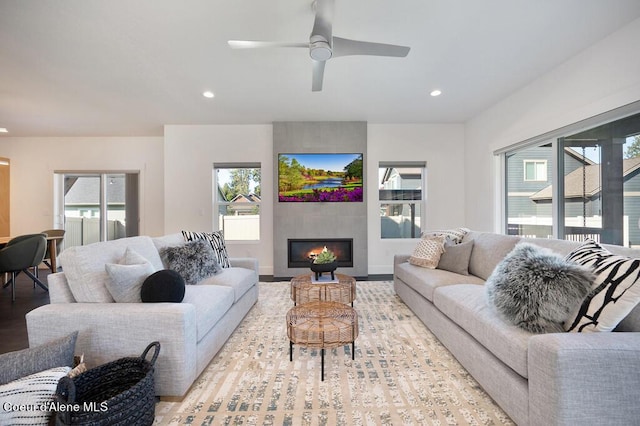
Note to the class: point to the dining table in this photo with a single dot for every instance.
(52, 249)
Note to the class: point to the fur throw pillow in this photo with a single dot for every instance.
(537, 289)
(194, 261)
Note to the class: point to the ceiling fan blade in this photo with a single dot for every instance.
(324, 19)
(249, 44)
(318, 74)
(347, 47)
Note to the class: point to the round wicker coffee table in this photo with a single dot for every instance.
(324, 325)
(304, 290)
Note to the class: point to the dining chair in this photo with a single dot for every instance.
(58, 234)
(19, 255)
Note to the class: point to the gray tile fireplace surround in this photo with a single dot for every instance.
(320, 220)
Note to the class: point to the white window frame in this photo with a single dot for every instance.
(421, 203)
(539, 167)
(556, 176)
(217, 202)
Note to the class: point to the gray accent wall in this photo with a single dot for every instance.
(320, 220)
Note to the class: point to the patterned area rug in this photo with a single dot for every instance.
(401, 374)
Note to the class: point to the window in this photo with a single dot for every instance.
(401, 199)
(237, 200)
(596, 193)
(97, 206)
(535, 170)
(527, 205)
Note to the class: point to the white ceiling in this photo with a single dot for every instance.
(128, 67)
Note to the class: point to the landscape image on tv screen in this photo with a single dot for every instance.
(320, 177)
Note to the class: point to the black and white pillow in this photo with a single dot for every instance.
(453, 235)
(216, 239)
(614, 293)
(28, 400)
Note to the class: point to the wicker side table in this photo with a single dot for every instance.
(324, 325)
(304, 290)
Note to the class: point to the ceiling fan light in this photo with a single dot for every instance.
(319, 49)
(436, 92)
(208, 94)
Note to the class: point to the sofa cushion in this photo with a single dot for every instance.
(127, 276)
(239, 279)
(615, 291)
(211, 303)
(428, 251)
(84, 265)
(466, 305)
(488, 250)
(165, 285)
(169, 240)
(194, 260)
(456, 257)
(536, 289)
(425, 281)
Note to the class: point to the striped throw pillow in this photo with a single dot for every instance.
(453, 235)
(614, 293)
(27, 400)
(216, 239)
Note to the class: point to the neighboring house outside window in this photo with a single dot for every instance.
(97, 206)
(237, 200)
(596, 193)
(401, 199)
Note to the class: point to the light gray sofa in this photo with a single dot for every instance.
(190, 333)
(544, 379)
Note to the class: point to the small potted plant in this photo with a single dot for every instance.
(325, 261)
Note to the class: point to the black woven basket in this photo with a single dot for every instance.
(120, 392)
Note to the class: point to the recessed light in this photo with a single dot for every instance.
(436, 92)
(208, 94)
(3, 130)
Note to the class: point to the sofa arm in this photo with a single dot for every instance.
(584, 378)
(244, 262)
(400, 258)
(108, 331)
(59, 291)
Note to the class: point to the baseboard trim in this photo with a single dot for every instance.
(373, 277)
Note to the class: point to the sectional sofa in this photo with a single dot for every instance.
(190, 333)
(538, 379)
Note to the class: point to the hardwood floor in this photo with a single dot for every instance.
(13, 326)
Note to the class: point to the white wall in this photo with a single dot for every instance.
(601, 78)
(189, 153)
(442, 147)
(176, 177)
(34, 160)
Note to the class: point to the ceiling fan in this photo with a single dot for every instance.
(323, 45)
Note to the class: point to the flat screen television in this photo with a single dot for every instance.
(334, 177)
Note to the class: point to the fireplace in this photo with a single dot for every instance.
(300, 252)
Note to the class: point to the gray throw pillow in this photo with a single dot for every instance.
(456, 257)
(537, 289)
(56, 353)
(194, 260)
